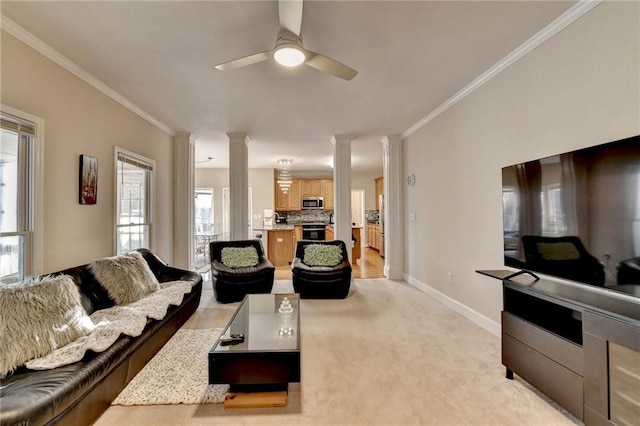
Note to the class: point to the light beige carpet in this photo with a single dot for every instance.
(388, 354)
(177, 374)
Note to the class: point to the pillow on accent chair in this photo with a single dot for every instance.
(127, 277)
(322, 255)
(239, 257)
(38, 316)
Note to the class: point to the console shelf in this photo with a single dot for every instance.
(567, 340)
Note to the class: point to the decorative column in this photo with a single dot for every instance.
(239, 185)
(393, 207)
(184, 146)
(342, 189)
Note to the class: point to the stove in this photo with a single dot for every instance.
(313, 231)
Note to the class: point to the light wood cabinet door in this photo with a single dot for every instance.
(294, 195)
(281, 198)
(327, 194)
(373, 236)
(311, 187)
(328, 233)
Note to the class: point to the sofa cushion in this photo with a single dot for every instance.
(39, 315)
(322, 255)
(126, 277)
(239, 257)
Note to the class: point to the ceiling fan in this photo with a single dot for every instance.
(289, 50)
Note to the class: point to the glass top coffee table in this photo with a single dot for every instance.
(269, 356)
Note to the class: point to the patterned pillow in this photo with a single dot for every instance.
(38, 316)
(127, 278)
(239, 257)
(558, 251)
(322, 255)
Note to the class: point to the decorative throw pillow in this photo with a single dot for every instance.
(38, 316)
(322, 255)
(239, 257)
(126, 278)
(558, 251)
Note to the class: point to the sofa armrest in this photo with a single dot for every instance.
(164, 272)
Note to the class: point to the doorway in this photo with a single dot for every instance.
(358, 213)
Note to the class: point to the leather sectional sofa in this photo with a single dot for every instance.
(79, 393)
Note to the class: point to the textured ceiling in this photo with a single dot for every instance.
(411, 57)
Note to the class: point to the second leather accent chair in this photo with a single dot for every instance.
(321, 282)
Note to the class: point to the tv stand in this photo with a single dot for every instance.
(571, 341)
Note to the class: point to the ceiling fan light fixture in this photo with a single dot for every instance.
(289, 55)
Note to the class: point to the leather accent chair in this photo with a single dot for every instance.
(564, 257)
(321, 282)
(232, 284)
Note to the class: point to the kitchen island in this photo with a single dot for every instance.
(280, 243)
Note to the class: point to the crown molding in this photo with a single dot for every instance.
(563, 21)
(38, 45)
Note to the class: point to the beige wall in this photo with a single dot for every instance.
(367, 182)
(580, 88)
(81, 120)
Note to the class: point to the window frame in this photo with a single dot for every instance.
(33, 218)
(149, 202)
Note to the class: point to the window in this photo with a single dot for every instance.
(553, 220)
(134, 193)
(17, 195)
(204, 211)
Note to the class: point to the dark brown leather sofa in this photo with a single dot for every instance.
(77, 394)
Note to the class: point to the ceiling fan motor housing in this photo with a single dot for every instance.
(289, 50)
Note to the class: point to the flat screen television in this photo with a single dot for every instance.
(576, 215)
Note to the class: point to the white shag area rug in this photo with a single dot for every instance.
(177, 374)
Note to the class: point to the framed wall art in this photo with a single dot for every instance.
(88, 180)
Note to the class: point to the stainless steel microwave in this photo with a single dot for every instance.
(312, 203)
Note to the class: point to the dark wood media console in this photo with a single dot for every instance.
(577, 344)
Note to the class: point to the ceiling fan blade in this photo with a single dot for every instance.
(290, 12)
(247, 60)
(329, 66)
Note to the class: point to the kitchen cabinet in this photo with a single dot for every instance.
(373, 236)
(294, 195)
(287, 201)
(327, 193)
(303, 188)
(297, 236)
(311, 187)
(328, 233)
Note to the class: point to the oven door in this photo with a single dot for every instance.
(313, 233)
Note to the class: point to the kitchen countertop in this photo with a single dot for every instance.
(275, 228)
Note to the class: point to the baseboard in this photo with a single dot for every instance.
(477, 318)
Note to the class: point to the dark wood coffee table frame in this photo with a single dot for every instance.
(264, 361)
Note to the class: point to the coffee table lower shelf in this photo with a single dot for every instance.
(256, 399)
